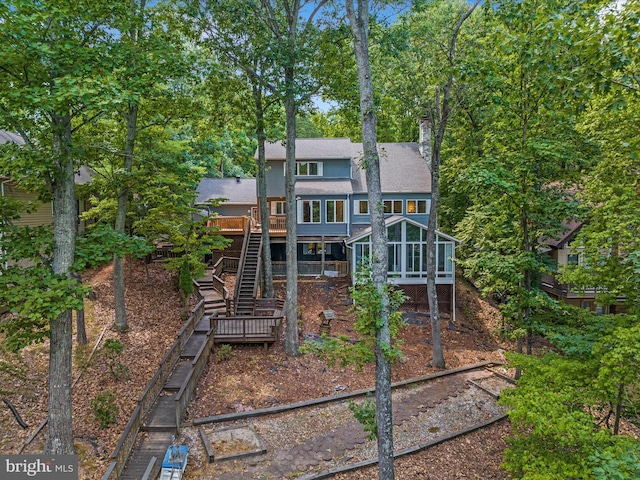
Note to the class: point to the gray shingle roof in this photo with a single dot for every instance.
(402, 169)
(237, 191)
(83, 175)
(10, 137)
(312, 149)
(333, 186)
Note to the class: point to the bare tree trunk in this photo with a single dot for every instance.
(292, 344)
(441, 112)
(384, 421)
(267, 270)
(432, 294)
(60, 434)
(81, 331)
(120, 323)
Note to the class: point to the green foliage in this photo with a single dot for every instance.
(365, 413)
(28, 286)
(367, 306)
(98, 245)
(225, 353)
(113, 353)
(619, 461)
(608, 244)
(105, 409)
(556, 408)
(185, 280)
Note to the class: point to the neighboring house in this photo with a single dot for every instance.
(333, 227)
(43, 212)
(561, 254)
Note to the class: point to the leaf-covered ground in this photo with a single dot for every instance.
(251, 378)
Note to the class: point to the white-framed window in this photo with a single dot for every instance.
(407, 252)
(361, 207)
(277, 207)
(393, 206)
(335, 211)
(362, 251)
(416, 207)
(309, 169)
(309, 211)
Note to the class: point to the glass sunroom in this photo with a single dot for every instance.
(407, 252)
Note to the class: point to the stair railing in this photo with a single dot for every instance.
(256, 281)
(243, 255)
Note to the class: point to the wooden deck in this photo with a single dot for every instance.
(246, 329)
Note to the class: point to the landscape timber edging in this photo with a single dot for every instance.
(406, 451)
(227, 417)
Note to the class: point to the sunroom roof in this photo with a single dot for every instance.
(389, 221)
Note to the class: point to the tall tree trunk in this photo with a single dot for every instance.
(60, 434)
(267, 269)
(384, 421)
(81, 331)
(441, 116)
(441, 112)
(120, 323)
(292, 344)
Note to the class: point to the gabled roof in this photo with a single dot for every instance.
(239, 191)
(570, 231)
(312, 149)
(389, 221)
(402, 169)
(83, 175)
(8, 137)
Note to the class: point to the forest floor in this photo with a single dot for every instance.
(251, 378)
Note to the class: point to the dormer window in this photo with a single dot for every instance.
(309, 169)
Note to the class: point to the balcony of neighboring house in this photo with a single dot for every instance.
(583, 299)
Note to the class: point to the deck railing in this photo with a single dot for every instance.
(277, 224)
(551, 285)
(188, 388)
(230, 224)
(248, 329)
(163, 252)
(245, 244)
(149, 396)
(313, 268)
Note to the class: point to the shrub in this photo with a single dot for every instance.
(113, 350)
(225, 352)
(105, 408)
(365, 413)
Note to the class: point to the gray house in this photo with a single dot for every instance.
(333, 222)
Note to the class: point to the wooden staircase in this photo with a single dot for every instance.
(213, 301)
(160, 425)
(248, 275)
